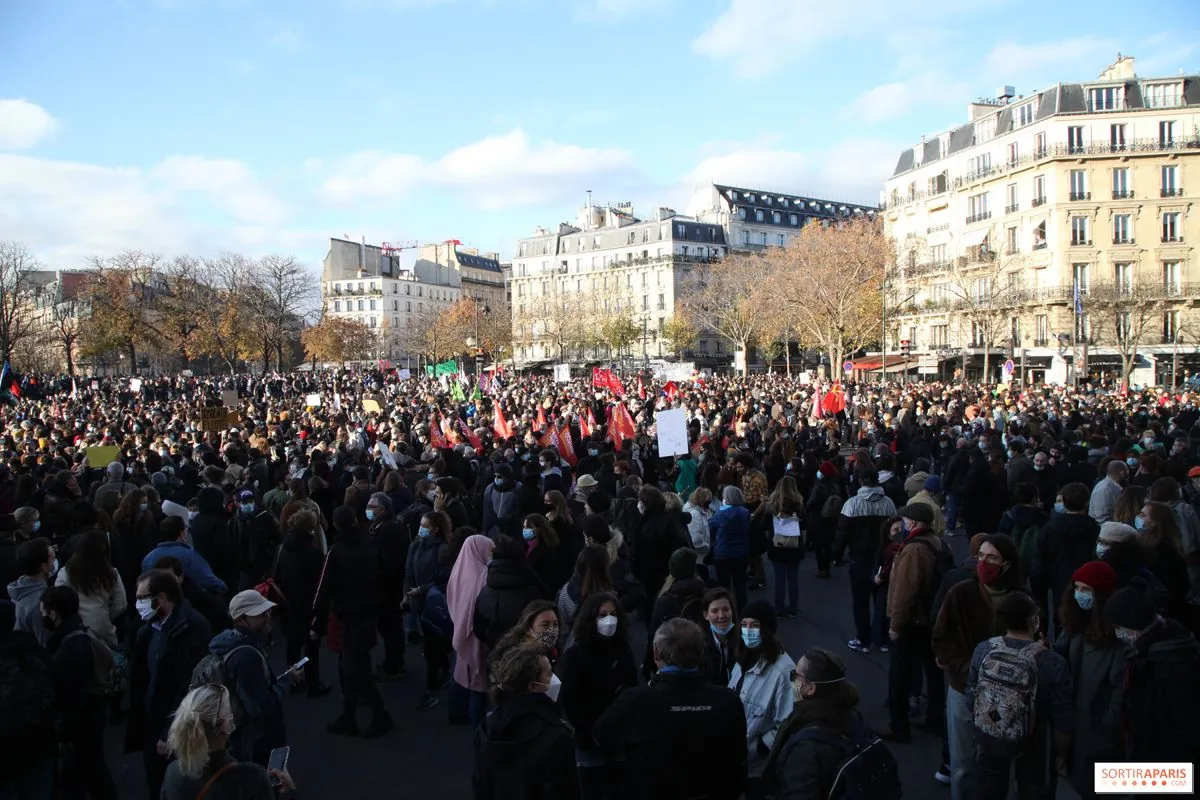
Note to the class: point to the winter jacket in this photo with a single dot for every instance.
(214, 609)
(766, 693)
(71, 649)
(729, 530)
(629, 590)
(248, 670)
(297, 575)
(592, 677)
(966, 618)
(1066, 543)
(195, 567)
(716, 663)
(553, 566)
(1053, 705)
(214, 541)
(243, 782)
(9, 542)
(682, 738)
(1104, 500)
(26, 594)
(108, 494)
(821, 530)
(501, 512)
(21, 653)
(911, 590)
(860, 527)
(99, 610)
(511, 585)
(939, 519)
(1098, 688)
(1162, 693)
(349, 584)
(893, 487)
(915, 483)
(524, 751)
(805, 767)
(669, 605)
(423, 569)
(698, 528)
(258, 539)
(392, 544)
(659, 534)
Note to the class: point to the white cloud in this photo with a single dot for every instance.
(227, 182)
(611, 11)
(496, 172)
(23, 124)
(1048, 62)
(892, 100)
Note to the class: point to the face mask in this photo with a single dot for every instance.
(1085, 600)
(1059, 508)
(424, 532)
(143, 506)
(989, 573)
(431, 495)
(528, 534)
(1127, 635)
(641, 508)
(606, 626)
(547, 639)
(982, 447)
(820, 475)
(499, 483)
(145, 608)
(247, 508)
(752, 637)
(37, 525)
(192, 515)
(1039, 467)
(721, 630)
(1139, 523)
(370, 514)
(431, 476)
(1148, 442)
(1102, 550)
(593, 453)
(1132, 462)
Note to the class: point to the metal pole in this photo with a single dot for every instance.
(1174, 359)
(882, 333)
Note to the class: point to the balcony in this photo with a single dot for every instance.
(1039, 245)
(1122, 194)
(1038, 201)
(980, 217)
(1078, 241)
(1175, 192)
(945, 226)
(1077, 196)
(1041, 342)
(1167, 239)
(1010, 209)
(1123, 240)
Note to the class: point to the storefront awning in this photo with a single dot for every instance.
(975, 238)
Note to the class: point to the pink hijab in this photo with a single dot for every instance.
(467, 579)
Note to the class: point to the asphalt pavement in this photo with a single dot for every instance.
(427, 757)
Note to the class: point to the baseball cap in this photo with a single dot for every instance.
(249, 604)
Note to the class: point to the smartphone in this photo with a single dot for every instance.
(278, 761)
(299, 665)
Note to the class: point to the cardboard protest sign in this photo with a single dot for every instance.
(214, 419)
(101, 457)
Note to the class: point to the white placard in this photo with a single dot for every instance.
(672, 432)
(927, 370)
(385, 455)
(313, 400)
(229, 398)
(405, 374)
(787, 526)
(562, 373)
(135, 384)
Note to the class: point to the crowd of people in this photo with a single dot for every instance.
(527, 535)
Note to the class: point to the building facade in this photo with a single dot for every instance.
(611, 262)
(483, 276)
(366, 283)
(1049, 227)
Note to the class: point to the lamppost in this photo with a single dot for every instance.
(1177, 339)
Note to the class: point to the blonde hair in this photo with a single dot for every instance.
(204, 714)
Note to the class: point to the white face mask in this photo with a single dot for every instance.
(606, 626)
(145, 608)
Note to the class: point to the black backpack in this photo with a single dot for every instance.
(867, 769)
(943, 564)
(26, 695)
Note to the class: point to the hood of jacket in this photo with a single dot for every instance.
(210, 500)
(225, 641)
(507, 573)
(516, 723)
(1025, 516)
(870, 492)
(885, 475)
(686, 589)
(24, 588)
(296, 542)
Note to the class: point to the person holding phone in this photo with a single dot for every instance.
(202, 766)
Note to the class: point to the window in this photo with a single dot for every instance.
(1039, 190)
(762, 239)
(1124, 326)
(1163, 95)
(1083, 328)
(939, 335)
(981, 163)
(374, 322)
(681, 231)
(1116, 136)
(1041, 330)
(1024, 115)
(1039, 236)
(977, 206)
(372, 305)
(408, 306)
(1170, 182)
(1011, 193)
(1081, 231)
(1122, 227)
(1010, 241)
(758, 215)
(937, 184)
(982, 290)
(1081, 277)
(1120, 183)
(741, 212)
(337, 305)
(395, 305)
(793, 220)
(1171, 232)
(1039, 145)
(1013, 154)
(1075, 139)
(645, 302)
(937, 254)
(776, 217)
(781, 240)
(360, 305)
(1172, 276)
(1123, 277)
(1166, 133)
(745, 237)
(1079, 185)
(1108, 98)
(1170, 325)
(662, 303)
(644, 276)
(1014, 331)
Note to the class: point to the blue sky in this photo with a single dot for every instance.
(206, 125)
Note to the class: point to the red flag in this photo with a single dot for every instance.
(566, 448)
(584, 431)
(835, 401)
(500, 426)
(622, 425)
(591, 421)
(671, 390)
(614, 384)
(448, 429)
(470, 434)
(541, 419)
(599, 378)
(435, 435)
(641, 389)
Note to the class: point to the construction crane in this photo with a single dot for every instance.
(392, 248)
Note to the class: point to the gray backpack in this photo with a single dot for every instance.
(1006, 696)
(211, 672)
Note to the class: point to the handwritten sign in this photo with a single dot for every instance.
(313, 401)
(214, 419)
(672, 432)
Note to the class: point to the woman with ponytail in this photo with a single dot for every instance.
(202, 769)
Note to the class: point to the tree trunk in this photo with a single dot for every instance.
(787, 352)
(70, 361)
(132, 357)
(987, 352)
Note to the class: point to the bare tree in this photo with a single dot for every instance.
(284, 293)
(558, 318)
(122, 293)
(63, 330)
(17, 266)
(1126, 313)
(726, 298)
(981, 289)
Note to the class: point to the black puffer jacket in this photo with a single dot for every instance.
(511, 585)
(213, 538)
(659, 534)
(298, 574)
(592, 675)
(524, 751)
(349, 582)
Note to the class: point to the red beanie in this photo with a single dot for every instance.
(828, 469)
(1098, 575)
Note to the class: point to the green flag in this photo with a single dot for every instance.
(475, 393)
(456, 392)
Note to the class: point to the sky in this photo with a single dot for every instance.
(256, 126)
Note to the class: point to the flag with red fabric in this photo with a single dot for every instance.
(584, 430)
(566, 448)
(451, 434)
(641, 389)
(500, 426)
(623, 427)
(541, 419)
(834, 401)
(435, 435)
(614, 384)
(671, 391)
(472, 439)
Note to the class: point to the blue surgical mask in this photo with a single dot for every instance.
(1085, 600)
(1102, 550)
(192, 515)
(1132, 462)
(424, 532)
(983, 447)
(370, 514)
(752, 637)
(820, 475)
(499, 483)
(37, 525)
(721, 630)
(593, 452)
(1059, 508)
(143, 506)
(1139, 523)
(247, 508)
(529, 534)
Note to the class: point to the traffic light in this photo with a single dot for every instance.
(905, 348)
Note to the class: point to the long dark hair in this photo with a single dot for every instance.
(770, 650)
(1013, 577)
(585, 622)
(1088, 624)
(591, 567)
(90, 569)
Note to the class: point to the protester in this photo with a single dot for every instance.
(762, 678)
(37, 563)
(298, 574)
(101, 594)
(467, 579)
(730, 536)
(862, 518)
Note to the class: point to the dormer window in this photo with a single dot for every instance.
(1025, 114)
(1163, 95)
(1106, 98)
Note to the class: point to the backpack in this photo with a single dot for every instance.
(833, 505)
(110, 668)
(1026, 538)
(1006, 696)
(943, 564)
(211, 672)
(867, 769)
(26, 695)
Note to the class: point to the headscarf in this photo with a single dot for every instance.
(466, 582)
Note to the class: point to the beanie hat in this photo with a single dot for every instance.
(917, 512)
(1117, 532)
(1131, 607)
(762, 611)
(828, 469)
(1098, 575)
(933, 484)
(682, 565)
(976, 542)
